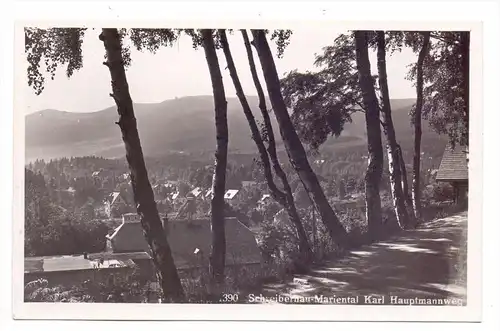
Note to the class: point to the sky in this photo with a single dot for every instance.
(182, 71)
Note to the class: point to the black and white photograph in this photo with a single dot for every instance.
(309, 166)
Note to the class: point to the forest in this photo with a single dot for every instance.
(293, 124)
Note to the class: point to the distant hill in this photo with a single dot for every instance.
(184, 125)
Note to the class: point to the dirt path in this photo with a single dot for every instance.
(428, 262)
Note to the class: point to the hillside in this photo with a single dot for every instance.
(179, 125)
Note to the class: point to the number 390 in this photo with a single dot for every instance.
(229, 298)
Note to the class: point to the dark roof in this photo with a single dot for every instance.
(454, 165)
(128, 237)
(186, 237)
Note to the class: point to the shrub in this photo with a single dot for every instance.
(277, 240)
(279, 243)
(438, 192)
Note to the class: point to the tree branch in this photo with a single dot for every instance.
(446, 40)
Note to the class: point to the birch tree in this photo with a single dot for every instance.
(375, 152)
(285, 199)
(62, 47)
(218, 253)
(294, 148)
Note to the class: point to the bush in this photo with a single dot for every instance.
(65, 235)
(437, 192)
(279, 243)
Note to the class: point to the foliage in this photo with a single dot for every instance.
(120, 208)
(278, 242)
(51, 229)
(55, 47)
(342, 190)
(323, 101)
(87, 212)
(446, 66)
(152, 39)
(282, 39)
(438, 192)
(39, 291)
(119, 288)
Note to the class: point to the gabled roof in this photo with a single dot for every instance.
(128, 237)
(196, 192)
(113, 197)
(170, 183)
(280, 216)
(185, 238)
(265, 197)
(454, 165)
(230, 194)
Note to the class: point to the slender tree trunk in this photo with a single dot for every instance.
(417, 123)
(271, 146)
(404, 177)
(218, 254)
(143, 193)
(294, 148)
(392, 153)
(375, 152)
(276, 193)
(268, 127)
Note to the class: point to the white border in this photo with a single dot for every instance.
(439, 11)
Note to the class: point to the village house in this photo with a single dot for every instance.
(454, 169)
(100, 175)
(188, 209)
(131, 217)
(127, 252)
(196, 192)
(174, 196)
(173, 184)
(163, 190)
(190, 242)
(114, 199)
(209, 194)
(264, 199)
(231, 196)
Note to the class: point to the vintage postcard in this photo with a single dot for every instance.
(292, 170)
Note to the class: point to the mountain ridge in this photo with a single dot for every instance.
(184, 124)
